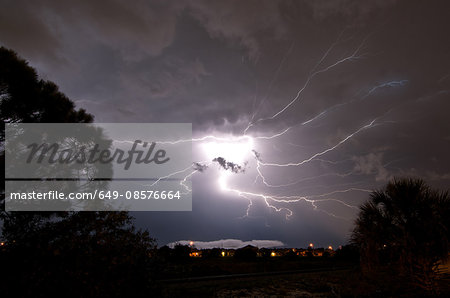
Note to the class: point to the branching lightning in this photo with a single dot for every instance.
(322, 152)
(354, 56)
(241, 146)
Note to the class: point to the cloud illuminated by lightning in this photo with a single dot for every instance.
(232, 153)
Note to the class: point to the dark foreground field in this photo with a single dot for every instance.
(313, 277)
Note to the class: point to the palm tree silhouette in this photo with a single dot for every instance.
(404, 227)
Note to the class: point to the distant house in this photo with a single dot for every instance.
(227, 252)
(246, 252)
(195, 253)
(318, 252)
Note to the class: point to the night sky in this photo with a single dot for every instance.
(320, 102)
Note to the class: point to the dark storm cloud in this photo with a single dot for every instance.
(358, 10)
(167, 78)
(241, 22)
(217, 64)
(23, 29)
(200, 167)
(228, 165)
(114, 44)
(138, 29)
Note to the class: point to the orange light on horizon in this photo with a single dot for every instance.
(330, 247)
(191, 243)
(273, 254)
(2, 243)
(223, 253)
(311, 245)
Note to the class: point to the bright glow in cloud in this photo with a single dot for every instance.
(236, 150)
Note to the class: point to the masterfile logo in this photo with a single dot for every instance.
(52, 153)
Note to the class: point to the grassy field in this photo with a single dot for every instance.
(294, 285)
(328, 282)
(193, 267)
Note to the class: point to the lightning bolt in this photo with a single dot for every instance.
(277, 202)
(371, 124)
(354, 56)
(385, 85)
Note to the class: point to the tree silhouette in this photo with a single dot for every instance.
(62, 253)
(26, 98)
(404, 227)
